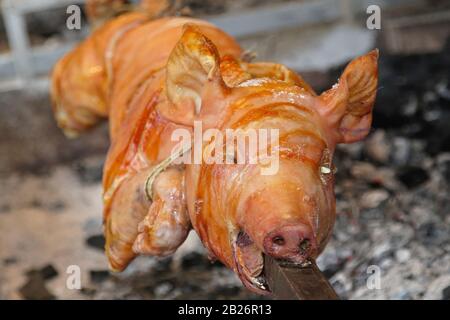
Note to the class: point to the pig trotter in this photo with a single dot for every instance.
(167, 224)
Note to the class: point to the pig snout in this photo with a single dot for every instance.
(294, 243)
(281, 225)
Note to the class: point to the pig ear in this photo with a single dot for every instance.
(193, 75)
(347, 107)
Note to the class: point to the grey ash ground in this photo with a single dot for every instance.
(392, 192)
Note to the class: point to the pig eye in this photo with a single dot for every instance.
(326, 173)
(326, 167)
(325, 170)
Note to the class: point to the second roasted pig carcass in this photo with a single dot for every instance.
(152, 78)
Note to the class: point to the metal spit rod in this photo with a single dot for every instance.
(297, 282)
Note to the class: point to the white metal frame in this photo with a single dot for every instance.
(24, 62)
(14, 14)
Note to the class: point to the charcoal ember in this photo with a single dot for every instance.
(90, 170)
(46, 23)
(163, 289)
(381, 251)
(387, 117)
(197, 260)
(401, 151)
(353, 150)
(342, 284)
(205, 7)
(446, 170)
(46, 273)
(364, 171)
(403, 255)
(412, 176)
(5, 208)
(35, 288)
(56, 206)
(89, 292)
(420, 215)
(191, 287)
(332, 261)
(432, 233)
(10, 261)
(438, 288)
(368, 173)
(224, 292)
(331, 270)
(443, 90)
(373, 198)
(163, 265)
(438, 133)
(446, 293)
(36, 203)
(378, 147)
(401, 234)
(392, 109)
(98, 276)
(96, 242)
(402, 295)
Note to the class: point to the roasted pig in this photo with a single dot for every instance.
(151, 78)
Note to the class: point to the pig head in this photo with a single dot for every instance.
(239, 213)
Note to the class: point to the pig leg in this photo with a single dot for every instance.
(128, 207)
(167, 223)
(156, 228)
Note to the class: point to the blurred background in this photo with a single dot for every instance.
(392, 189)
